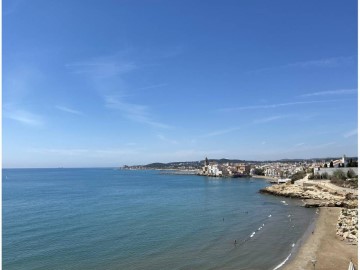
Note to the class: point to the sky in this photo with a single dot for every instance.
(112, 83)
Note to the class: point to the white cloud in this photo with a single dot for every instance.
(135, 112)
(331, 92)
(351, 133)
(270, 119)
(100, 68)
(299, 144)
(219, 132)
(167, 140)
(153, 86)
(24, 117)
(84, 152)
(191, 154)
(131, 144)
(324, 63)
(273, 106)
(68, 110)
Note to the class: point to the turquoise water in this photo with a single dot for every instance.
(113, 219)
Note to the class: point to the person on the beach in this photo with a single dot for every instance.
(235, 243)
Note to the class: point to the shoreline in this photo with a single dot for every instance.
(265, 177)
(323, 245)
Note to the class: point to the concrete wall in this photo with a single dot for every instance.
(330, 171)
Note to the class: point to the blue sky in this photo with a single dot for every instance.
(108, 83)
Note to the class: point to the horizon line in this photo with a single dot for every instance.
(119, 166)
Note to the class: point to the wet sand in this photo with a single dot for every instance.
(330, 252)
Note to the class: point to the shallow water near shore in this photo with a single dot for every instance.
(116, 219)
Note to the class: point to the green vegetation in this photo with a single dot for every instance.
(259, 171)
(309, 170)
(351, 174)
(324, 175)
(352, 163)
(339, 178)
(298, 176)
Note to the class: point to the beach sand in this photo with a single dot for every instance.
(330, 252)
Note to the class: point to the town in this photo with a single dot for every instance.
(280, 170)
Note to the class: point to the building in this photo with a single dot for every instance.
(211, 169)
(242, 168)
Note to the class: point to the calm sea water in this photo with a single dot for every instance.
(112, 219)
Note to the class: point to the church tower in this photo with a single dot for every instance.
(206, 163)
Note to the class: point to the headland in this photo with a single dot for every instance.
(333, 242)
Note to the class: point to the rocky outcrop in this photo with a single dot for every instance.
(347, 226)
(313, 195)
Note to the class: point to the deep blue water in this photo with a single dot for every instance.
(113, 219)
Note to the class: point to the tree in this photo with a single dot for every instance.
(259, 171)
(350, 174)
(352, 163)
(298, 176)
(324, 175)
(338, 178)
(339, 174)
(331, 164)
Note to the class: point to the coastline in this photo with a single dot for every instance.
(324, 245)
(264, 177)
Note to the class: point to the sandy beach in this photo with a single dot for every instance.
(330, 252)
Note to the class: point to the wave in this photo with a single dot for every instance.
(282, 263)
(253, 233)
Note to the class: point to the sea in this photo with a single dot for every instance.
(106, 218)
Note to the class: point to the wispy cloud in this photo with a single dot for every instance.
(165, 139)
(131, 144)
(325, 63)
(351, 133)
(232, 129)
(83, 151)
(299, 144)
(21, 82)
(101, 68)
(135, 112)
(331, 92)
(159, 85)
(23, 117)
(68, 110)
(219, 132)
(273, 106)
(270, 119)
(188, 154)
